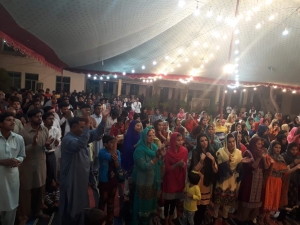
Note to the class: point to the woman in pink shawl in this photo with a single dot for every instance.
(174, 177)
(181, 114)
(294, 135)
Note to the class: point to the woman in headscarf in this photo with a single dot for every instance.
(147, 177)
(178, 124)
(181, 114)
(285, 127)
(143, 114)
(228, 181)
(170, 118)
(273, 129)
(250, 126)
(190, 122)
(290, 185)
(130, 141)
(230, 120)
(286, 119)
(181, 130)
(294, 135)
(262, 132)
(202, 114)
(257, 117)
(264, 121)
(214, 142)
(245, 135)
(238, 138)
(236, 127)
(130, 118)
(159, 131)
(278, 169)
(166, 131)
(220, 130)
(204, 162)
(295, 123)
(282, 139)
(251, 189)
(174, 177)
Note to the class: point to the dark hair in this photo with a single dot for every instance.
(75, 121)
(53, 96)
(63, 104)
(155, 109)
(274, 123)
(194, 178)
(145, 122)
(46, 115)
(120, 119)
(289, 147)
(107, 138)
(47, 108)
(198, 129)
(85, 106)
(15, 99)
(124, 113)
(115, 113)
(4, 115)
(33, 112)
(36, 100)
(234, 126)
(250, 118)
(136, 116)
(94, 217)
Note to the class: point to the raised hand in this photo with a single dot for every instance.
(114, 157)
(35, 139)
(49, 141)
(105, 114)
(210, 156)
(56, 143)
(203, 156)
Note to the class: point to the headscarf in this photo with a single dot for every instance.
(172, 154)
(220, 128)
(181, 114)
(248, 123)
(292, 136)
(201, 115)
(252, 146)
(278, 158)
(207, 168)
(150, 152)
(215, 143)
(235, 134)
(260, 132)
(130, 115)
(131, 138)
(289, 159)
(286, 120)
(279, 138)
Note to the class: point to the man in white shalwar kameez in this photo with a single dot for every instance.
(12, 153)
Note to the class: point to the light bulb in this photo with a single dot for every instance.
(237, 42)
(236, 52)
(124, 73)
(95, 77)
(225, 91)
(107, 77)
(143, 80)
(275, 86)
(237, 31)
(284, 90)
(132, 71)
(219, 18)
(258, 26)
(234, 91)
(143, 67)
(178, 65)
(172, 70)
(254, 89)
(186, 59)
(228, 68)
(147, 81)
(197, 12)
(209, 13)
(166, 57)
(154, 62)
(294, 92)
(237, 59)
(154, 79)
(101, 78)
(181, 3)
(115, 76)
(285, 32)
(244, 90)
(272, 17)
(217, 47)
(180, 50)
(89, 75)
(160, 77)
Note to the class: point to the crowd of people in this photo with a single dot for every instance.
(54, 147)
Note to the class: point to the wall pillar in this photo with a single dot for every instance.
(229, 93)
(170, 94)
(245, 97)
(241, 97)
(101, 86)
(217, 97)
(127, 88)
(115, 88)
(119, 87)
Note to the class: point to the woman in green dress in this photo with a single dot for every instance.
(146, 177)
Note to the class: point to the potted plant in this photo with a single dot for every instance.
(164, 106)
(149, 106)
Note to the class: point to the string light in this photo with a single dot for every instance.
(89, 75)
(272, 17)
(166, 57)
(228, 68)
(209, 13)
(284, 90)
(144, 81)
(95, 77)
(101, 78)
(154, 62)
(254, 89)
(124, 73)
(225, 91)
(244, 90)
(275, 86)
(143, 67)
(181, 3)
(258, 26)
(234, 91)
(180, 50)
(294, 92)
(285, 32)
(107, 77)
(115, 76)
(132, 71)
(237, 59)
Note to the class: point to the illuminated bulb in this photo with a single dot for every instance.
(225, 91)
(275, 86)
(272, 17)
(236, 52)
(237, 31)
(234, 91)
(219, 18)
(154, 62)
(205, 45)
(254, 89)
(218, 47)
(202, 66)
(132, 71)
(115, 76)
(268, 2)
(180, 50)
(197, 12)
(186, 59)
(143, 80)
(284, 90)
(95, 77)
(166, 57)
(285, 32)
(258, 26)
(209, 13)
(154, 79)
(101, 78)
(196, 43)
(195, 53)
(160, 77)
(206, 60)
(151, 80)
(293, 91)
(4, 41)
(248, 18)
(143, 67)
(107, 77)
(237, 84)
(178, 65)
(165, 73)
(244, 90)
(237, 59)
(172, 70)
(89, 75)
(228, 68)
(225, 37)
(147, 81)
(124, 73)
(237, 42)
(211, 55)
(181, 3)
(236, 71)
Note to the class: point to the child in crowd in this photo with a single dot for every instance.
(192, 195)
(94, 217)
(109, 167)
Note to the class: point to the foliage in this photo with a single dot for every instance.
(164, 106)
(184, 105)
(152, 102)
(5, 80)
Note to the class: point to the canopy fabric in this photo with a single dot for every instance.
(117, 36)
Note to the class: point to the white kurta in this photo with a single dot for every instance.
(13, 147)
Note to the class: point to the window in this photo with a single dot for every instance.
(93, 86)
(31, 80)
(123, 89)
(164, 94)
(64, 83)
(134, 89)
(108, 88)
(15, 79)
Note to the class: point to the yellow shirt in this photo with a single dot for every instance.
(189, 203)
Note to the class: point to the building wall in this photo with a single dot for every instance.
(47, 75)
